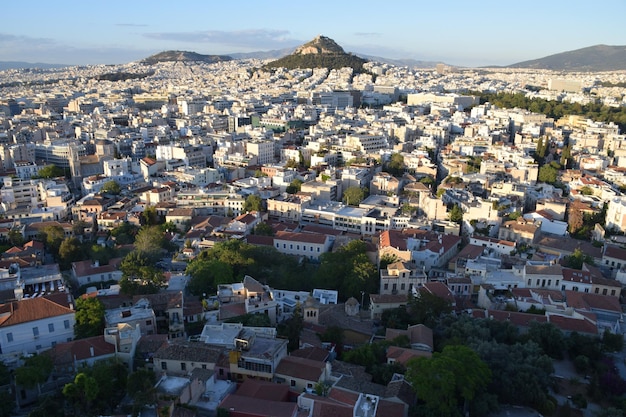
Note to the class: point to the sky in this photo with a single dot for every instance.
(456, 32)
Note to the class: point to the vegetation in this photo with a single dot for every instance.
(294, 186)
(89, 317)
(139, 275)
(456, 214)
(253, 203)
(291, 329)
(50, 171)
(353, 196)
(577, 259)
(52, 237)
(395, 166)
(35, 371)
(330, 61)
(111, 187)
(557, 109)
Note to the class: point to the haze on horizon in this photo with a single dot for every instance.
(460, 33)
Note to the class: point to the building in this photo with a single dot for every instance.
(36, 324)
(309, 245)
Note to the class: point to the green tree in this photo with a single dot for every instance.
(125, 233)
(111, 187)
(102, 254)
(456, 214)
(353, 196)
(294, 187)
(140, 388)
(263, 229)
(150, 242)
(427, 308)
(428, 181)
(207, 274)
(89, 318)
(139, 275)
(612, 342)
(253, 203)
(396, 164)
(35, 371)
(547, 174)
(70, 250)
(16, 238)
(149, 216)
(7, 403)
(334, 335)
(549, 338)
(291, 329)
(52, 236)
(586, 190)
(50, 171)
(576, 259)
(81, 393)
(448, 380)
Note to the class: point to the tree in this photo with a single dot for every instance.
(396, 164)
(139, 275)
(71, 250)
(150, 242)
(294, 186)
(291, 329)
(50, 171)
(7, 403)
(35, 371)
(149, 216)
(586, 190)
(456, 214)
(207, 274)
(548, 337)
(82, 392)
(612, 342)
(353, 196)
(263, 229)
(447, 378)
(52, 236)
(125, 233)
(427, 308)
(575, 216)
(89, 318)
(334, 335)
(111, 187)
(547, 174)
(16, 238)
(253, 203)
(576, 259)
(140, 388)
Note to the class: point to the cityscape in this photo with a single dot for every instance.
(315, 234)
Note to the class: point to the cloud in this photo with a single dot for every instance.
(131, 25)
(252, 38)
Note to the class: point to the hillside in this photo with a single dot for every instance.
(593, 58)
(321, 52)
(184, 56)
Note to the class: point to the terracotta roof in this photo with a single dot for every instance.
(314, 238)
(543, 269)
(439, 289)
(263, 390)
(32, 309)
(313, 353)
(388, 298)
(81, 349)
(85, 268)
(303, 368)
(518, 319)
(254, 407)
(589, 302)
(615, 252)
(402, 355)
(570, 324)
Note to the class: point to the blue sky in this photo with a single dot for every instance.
(468, 33)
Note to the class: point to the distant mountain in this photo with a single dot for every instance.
(321, 52)
(592, 58)
(408, 62)
(5, 65)
(184, 56)
(273, 54)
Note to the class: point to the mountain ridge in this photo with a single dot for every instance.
(184, 56)
(592, 58)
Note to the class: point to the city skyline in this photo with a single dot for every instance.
(495, 33)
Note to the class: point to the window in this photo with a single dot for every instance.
(164, 365)
(293, 382)
(183, 366)
(148, 322)
(604, 291)
(36, 331)
(66, 324)
(51, 327)
(386, 286)
(9, 337)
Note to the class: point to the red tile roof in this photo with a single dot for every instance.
(32, 309)
(303, 368)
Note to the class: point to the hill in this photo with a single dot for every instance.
(4, 65)
(321, 52)
(184, 56)
(592, 58)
